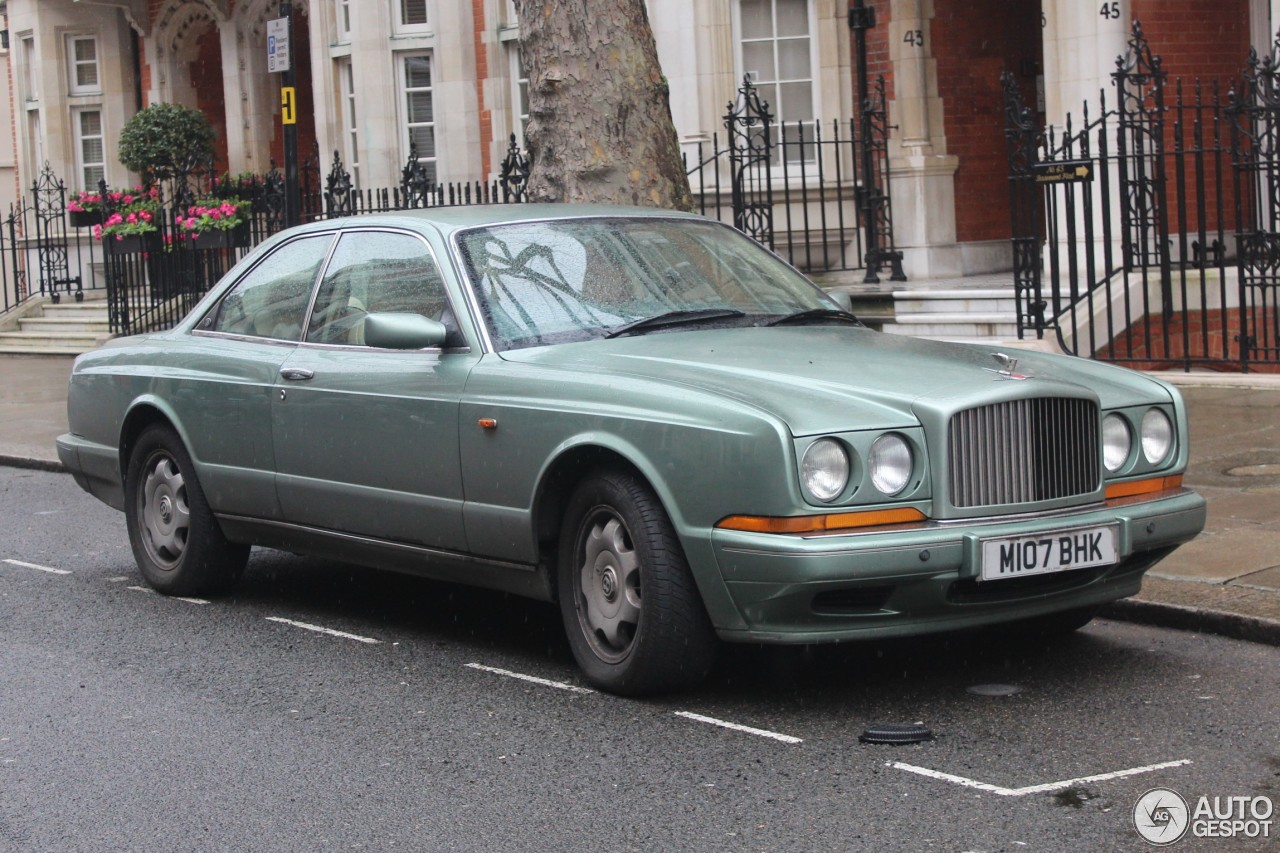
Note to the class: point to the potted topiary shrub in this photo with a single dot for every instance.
(166, 140)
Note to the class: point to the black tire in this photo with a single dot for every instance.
(631, 610)
(176, 540)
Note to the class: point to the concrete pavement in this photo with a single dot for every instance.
(1227, 581)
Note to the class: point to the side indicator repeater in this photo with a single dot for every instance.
(488, 423)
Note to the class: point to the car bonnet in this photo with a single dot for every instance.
(831, 378)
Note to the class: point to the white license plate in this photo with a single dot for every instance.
(1055, 551)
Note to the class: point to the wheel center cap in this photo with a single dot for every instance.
(609, 583)
(166, 509)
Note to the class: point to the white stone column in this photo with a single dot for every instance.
(922, 173)
(1080, 49)
(457, 105)
(1264, 17)
(377, 80)
(695, 49)
(1081, 44)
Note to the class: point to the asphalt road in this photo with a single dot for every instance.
(130, 721)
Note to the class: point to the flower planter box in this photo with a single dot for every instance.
(132, 243)
(221, 239)
(84, 218)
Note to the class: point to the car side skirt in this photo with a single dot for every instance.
(521, 579)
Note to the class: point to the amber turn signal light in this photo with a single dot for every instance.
(821, 523)
(1135, 488)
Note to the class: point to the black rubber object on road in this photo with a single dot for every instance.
(895, 734)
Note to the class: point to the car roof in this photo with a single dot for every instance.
(450, 219)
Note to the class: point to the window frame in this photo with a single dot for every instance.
(402, 59)
(399, 24)
(30, 80)
(74, 64)
(456, 339)
(350, 130)
(82, 163)
(519, 92)
(342, 21)
(204, 326)
(814, 79)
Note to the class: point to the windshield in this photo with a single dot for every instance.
(580, 279)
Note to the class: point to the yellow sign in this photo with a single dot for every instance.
(288, 105)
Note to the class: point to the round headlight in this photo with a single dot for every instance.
(1157, 436)
(824, 471)
(890, 464)
(1116, 442)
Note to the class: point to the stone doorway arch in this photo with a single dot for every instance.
(211, 55)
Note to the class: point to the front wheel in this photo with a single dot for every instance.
(176, 541)
(631, 610)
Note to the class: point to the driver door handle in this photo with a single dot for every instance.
(296, 374)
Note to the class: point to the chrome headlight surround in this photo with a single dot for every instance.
(824, 470)
(1117, 442)
(1157, 437)
(890, 463)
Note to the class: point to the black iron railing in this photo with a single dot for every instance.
(799, 188)
(1145, 233)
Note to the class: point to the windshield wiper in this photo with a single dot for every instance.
(812, 314)
(673, 318)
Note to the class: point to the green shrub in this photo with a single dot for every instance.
(165, 140)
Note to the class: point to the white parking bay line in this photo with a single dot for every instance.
(1034, 789)
(739, 728)
(532, 679)
(322, 630)
(151, 591)
(38, 567)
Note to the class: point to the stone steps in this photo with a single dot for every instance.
(971, 315)
(65, 328)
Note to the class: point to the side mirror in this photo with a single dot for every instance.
(844, 300)
(394, 330)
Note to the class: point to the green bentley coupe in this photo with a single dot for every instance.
(641, 415)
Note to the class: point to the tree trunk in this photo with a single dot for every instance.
(600, 125)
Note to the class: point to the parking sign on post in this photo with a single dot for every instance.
(277, 45)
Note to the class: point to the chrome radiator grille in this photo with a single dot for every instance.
(1023, 451)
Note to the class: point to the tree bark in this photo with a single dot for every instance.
(600, 126)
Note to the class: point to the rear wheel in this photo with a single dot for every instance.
(177, 543)
(632, 613)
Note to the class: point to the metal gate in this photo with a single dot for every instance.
(1255, 143)
(1141, 233)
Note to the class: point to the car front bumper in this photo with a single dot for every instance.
(922, 579)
